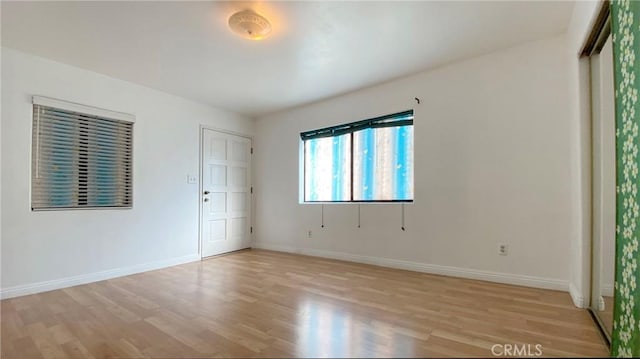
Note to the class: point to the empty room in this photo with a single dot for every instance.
(304, 179)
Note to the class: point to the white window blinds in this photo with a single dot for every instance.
(81, 157)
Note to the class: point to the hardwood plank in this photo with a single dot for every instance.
(268, 304)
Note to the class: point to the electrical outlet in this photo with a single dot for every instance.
(503, 249)
(309, 234)
(191, 179)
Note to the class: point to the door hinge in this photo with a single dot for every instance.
(251, 189)
(251, 150)
(251, 230)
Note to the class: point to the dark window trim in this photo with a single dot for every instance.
(393, 120)
(367, 201)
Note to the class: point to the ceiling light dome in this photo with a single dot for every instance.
(250, 25)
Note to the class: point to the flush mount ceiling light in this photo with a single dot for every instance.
(250, 25)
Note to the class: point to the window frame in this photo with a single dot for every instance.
(350, 128)
(88, 111)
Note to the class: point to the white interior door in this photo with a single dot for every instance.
(226, 193)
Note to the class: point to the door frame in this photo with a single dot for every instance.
(200, 178)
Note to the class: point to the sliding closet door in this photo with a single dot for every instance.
(604, 185)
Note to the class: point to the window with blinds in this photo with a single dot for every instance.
(364, 161)
(81, 157)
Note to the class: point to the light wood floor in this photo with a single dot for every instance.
(268, 304)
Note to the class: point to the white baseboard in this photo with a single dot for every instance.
(45, 286)
(514, 279)
(576, 296)
(273, 247)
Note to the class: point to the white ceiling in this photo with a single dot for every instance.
(316, 50)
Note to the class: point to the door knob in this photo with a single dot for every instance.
(206, 193)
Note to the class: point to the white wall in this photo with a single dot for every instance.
(492, 165)
(0, 151)
(44, 250)
(584, 14)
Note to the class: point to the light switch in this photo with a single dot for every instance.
(191, 179)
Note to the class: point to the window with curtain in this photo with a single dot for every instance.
(364, 161)
(79, 159)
